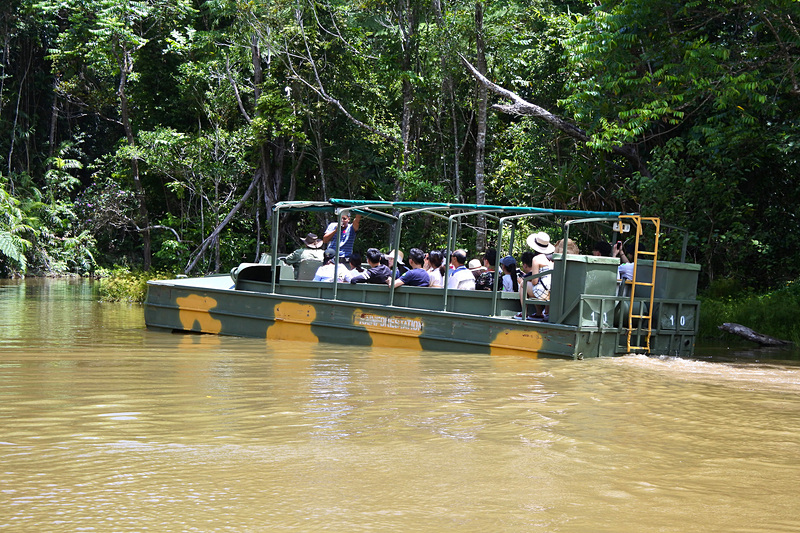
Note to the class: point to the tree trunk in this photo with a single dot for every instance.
(448, 92)
(16, 117)
(407, 23)
(258, 73)
(51, 138)
(297, 163)
(753, 336)
(480, 141)
(258, 223)
(315, 128)
(126, 67)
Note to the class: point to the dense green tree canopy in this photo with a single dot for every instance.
(162, 131)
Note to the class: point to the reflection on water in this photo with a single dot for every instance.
(750, 353)
(110, 427)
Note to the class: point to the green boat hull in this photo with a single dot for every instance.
(361, 316)
(592, 312)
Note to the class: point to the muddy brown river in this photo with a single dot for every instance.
(105, 426)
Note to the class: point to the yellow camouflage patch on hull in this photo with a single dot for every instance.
(293, 322)
(194, 308)
(516, 342)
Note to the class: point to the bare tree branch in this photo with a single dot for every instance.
(319, 88)
(338, 33)
(236, 90)
(520, 106)
(210, 239)
(159, 226)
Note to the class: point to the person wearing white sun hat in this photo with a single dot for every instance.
(541, 262)
(540, 242)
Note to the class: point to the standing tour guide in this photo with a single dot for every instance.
(347, 236)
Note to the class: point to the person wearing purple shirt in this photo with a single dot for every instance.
(416, 276)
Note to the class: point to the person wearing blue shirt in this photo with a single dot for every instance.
(416, 276)
(347, 236)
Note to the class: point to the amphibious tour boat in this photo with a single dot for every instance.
(590, 313)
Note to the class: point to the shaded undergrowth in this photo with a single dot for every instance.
(123, 285)
(776, 313)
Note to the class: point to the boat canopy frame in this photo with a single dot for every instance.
(395, 212)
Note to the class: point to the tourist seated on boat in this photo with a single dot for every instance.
(326, 271)
(601, 249)
(485, 280)
(509, 282)
(377, 273)
(540, 243)
(534, 266)
(434, 264)
(347, 236)
(416, 276)
(508, 266)
(476, 267)
(460, 276)
(352, 269)
(572, 248)
(625, 254)
(388, 260)
(307, 259)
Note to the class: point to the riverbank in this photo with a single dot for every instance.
(123, 285)
(775, 313)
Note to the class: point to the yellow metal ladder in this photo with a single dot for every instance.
(638, 222)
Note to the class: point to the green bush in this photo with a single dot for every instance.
(122, 285)
(776, 313)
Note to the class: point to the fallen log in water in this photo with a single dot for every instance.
(749, 334)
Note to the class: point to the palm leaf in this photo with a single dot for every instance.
(13, 248)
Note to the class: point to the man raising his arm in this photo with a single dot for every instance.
(347, 237)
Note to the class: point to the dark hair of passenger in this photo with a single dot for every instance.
(417, 255)
(603, 247)
(527, 258)
(436, 259)
(327, 257)
(491, 257)
(461, 258)
(630, 249)
(511, 267)
(374, 255)
(355, 261)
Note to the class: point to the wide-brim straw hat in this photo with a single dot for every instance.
(312, 241)
(540, 242)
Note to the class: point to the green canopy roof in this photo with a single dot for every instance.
(339, 203)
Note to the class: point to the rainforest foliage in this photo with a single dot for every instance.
(159, 133)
